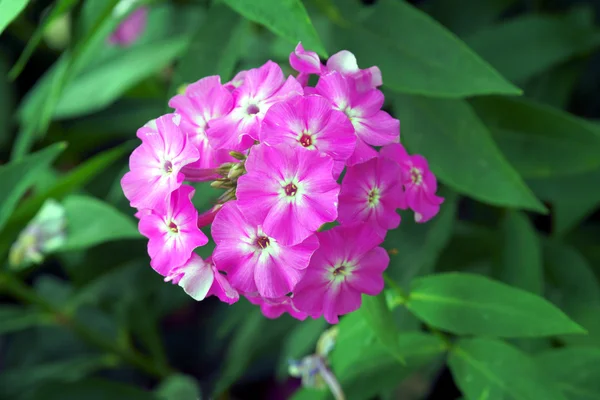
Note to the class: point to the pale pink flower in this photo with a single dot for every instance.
(200, 279)
(202, 102)
(312, 123)
(372, 192)
(274, 308)
(173, 234)
(290, 191)
(130, 29)
(262, 87)
(419, 182)
(156, 164)
(254, 261)
(345, 63)
(372, 125)
(347, 264)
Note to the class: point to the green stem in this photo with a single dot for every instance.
(399, 291)
(20, 291)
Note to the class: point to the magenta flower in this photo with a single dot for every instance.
(274, 308)
(255, 262)
(200, 279)
(345, 63)
(262, 87)
(372, 192)
(173, 234)
(419, 182)
(305, 62)
(202, 102)
(290, 191)
(236, 82)
(312, 123)
(130, 29)
(372, 125)
(156, 164)
(347, 264)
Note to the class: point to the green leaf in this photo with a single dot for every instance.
(573, 286)
(461, 152)
(301, 342)
(18, 176)
(16, 318)
(573, 198)
(575, 371)
(530, 44)
(217, 56)
(7, 103)
(419, 56)
(97, 87)
(414, 249)
(285, 18)
(493, 370)
(555, 87)
(179, 387)
(92, 389)
(467, 304)
(91, 221)
(521, 264)
(379, 318)
(9, 10)
(563, 143)
(16, 381)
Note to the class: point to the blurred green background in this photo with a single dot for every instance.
(502, 98)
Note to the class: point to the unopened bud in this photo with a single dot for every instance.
(222, 184)
(236, 171)
(181, 89)
(224, 169)
(237, 156)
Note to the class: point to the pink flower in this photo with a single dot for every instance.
(202, 102)
(274, 308)
(305, 62)
(347, 264)
(373, 126)
(130, 29)
(372, 192)
(345, 63)
(200, 279)
(312, 123)
(419, 182)
(262, 87)
(255, 262)
(236, 82)
(173, 235)
(156, 164)
(290, 191)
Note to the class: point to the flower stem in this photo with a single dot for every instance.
(17, 289)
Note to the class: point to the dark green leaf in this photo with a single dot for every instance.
(7, 100)
(461, 151)
(16, 318)
(92, 389)
(555, 87)
(468, 304)
(179, 387)
(464, 17)
(9, 10)
(286, 18)
(99, 86)
(527, 45)
(521, 264)
(419, 56)
(563, 143)
(18, 176)
(91, 221)
(379, 318)
(575, 370)
(217, 56)
(493, 370)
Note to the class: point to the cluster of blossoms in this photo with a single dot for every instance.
(290, 158)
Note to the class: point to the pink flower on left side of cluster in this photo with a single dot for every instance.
(130, 29)
(253, 261)
(155, 166)
(347, 264)
(419, 182)
(290, 191)
(173, 234)
(274, 308)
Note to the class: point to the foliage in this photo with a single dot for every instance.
(500, 289)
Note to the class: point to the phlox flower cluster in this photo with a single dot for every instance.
(291, 159)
